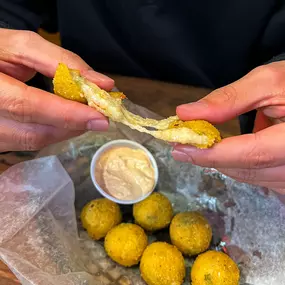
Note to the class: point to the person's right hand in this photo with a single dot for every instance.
(31, 118)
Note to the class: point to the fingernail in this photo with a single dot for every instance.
(186, 149)
(101, 80)
(198, 104)
(97, 76)
(98, 125)
(181, 156)
(191, 111)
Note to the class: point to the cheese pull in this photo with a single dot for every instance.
(69, 84)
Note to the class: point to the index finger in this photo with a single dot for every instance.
(31, 50)
(257, 150)
(263, 86)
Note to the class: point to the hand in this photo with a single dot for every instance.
(31, 118)
(257, 158)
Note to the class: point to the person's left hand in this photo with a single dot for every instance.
(257, 158)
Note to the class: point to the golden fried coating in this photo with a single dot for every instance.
(214, 268)
(125, 244)
(190, 232)
(65, 86)
(71, 85)
(99, 216)
(200, 127)
(162, 264)
(153, 213)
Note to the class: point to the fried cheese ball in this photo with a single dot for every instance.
(191, 233)
(153, 213)
(71, 85)
(99, 216)
(162, 264)
(125, 244)
(214, 267)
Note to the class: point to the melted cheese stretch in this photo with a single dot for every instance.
(71, 85)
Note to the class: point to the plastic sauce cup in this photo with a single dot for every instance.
(115, 144)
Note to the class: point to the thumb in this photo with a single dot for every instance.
(250, 92)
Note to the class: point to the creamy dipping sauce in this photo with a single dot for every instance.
(125, 173)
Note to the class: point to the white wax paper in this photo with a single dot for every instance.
(42, 241)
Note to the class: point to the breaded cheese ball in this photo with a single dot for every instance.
(191, 233)
(153, 213)
(214, 267)
(125, 244)
(162, 264)
(99, 216)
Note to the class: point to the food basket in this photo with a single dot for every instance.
(42, 241)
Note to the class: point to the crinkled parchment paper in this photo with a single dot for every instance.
(42, 241)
